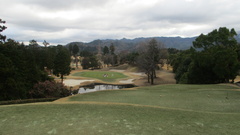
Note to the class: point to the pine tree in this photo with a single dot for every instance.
(62, 63)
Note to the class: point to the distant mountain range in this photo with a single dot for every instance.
(131, 44)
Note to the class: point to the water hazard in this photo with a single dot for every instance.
(99, 87)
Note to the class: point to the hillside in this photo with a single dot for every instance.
(131, 44)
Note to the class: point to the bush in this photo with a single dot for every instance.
(24, 101)
(49, 89)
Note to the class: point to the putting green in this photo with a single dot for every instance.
(106, 76)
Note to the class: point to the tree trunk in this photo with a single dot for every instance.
(76, 61)
(148, 75)
(152, 77)
(154, 73)
(62, 78)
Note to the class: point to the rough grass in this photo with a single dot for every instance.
(112, 76)
(165, 110)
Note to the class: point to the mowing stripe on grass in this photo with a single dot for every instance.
(120, 104)
(148, 106)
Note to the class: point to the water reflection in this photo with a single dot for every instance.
(93, 88)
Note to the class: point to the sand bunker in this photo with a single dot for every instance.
(117, 70)
(139, 73)
(127, 81)
(73, 82)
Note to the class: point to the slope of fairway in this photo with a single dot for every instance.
(209, 98)
(165, 110)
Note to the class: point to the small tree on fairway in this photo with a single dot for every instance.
(62, 62)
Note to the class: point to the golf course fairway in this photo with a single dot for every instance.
(162, 109)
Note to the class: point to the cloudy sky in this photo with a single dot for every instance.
(64, 21)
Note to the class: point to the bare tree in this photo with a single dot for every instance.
(149, 58)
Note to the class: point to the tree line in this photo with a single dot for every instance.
(92, 59)
(21, 67)
(147, 57)
(213, 58)
(25, 69)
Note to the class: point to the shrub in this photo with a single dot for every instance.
(20, 101)
(49, 89)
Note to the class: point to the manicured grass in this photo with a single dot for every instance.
(211, 98)
(109, 76)
(165, 110)
(90, 119)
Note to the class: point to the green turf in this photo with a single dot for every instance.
(111, 76)
(164, 110)
(212, 98)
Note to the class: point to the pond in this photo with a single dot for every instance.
(99, 87)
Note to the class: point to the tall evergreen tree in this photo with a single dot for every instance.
(112, 49)
(105, 50)
(62, 62)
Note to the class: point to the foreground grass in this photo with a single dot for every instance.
(169, 109)
(111, 76)
(87, 119)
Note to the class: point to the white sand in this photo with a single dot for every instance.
(73, 82)
(139, 73)
(127, 81)
(117, 70)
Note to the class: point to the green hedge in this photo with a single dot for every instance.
(27, 101)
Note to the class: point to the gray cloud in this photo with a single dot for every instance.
(60, 21)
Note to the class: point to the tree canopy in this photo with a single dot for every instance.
(2, 28)
(112, 49)
(62, 62)
(217, 61)
(21, 67)
(149, 58)
(221, 37)
(20, 70)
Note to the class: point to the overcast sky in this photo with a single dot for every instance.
(64, 21)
